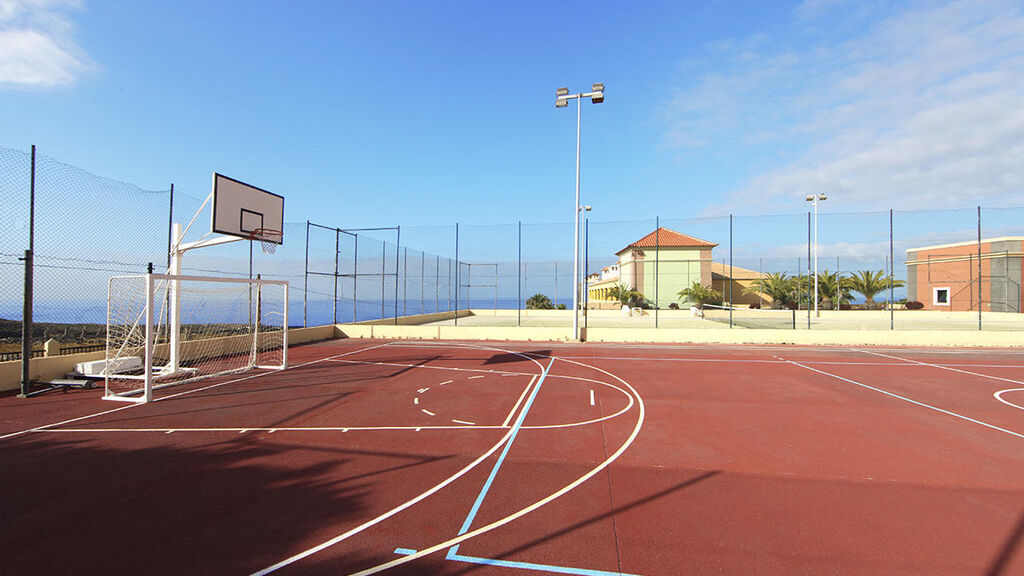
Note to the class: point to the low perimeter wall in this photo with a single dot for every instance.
(927, 338)
(46, 369)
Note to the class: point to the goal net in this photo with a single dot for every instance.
(164, 330)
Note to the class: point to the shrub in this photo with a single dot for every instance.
(844, 306)
(673, 306)
(560, 307)
(791, 306)
(539, 302)
(914, 305)
(755, 306)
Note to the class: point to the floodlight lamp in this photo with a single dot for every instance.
(560, 103)
(597, 97)
(822, 197)
(586, 208)
(562, 92)
(810, 198)
(598, 87)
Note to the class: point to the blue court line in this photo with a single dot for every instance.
(522, 565)
(504, 452)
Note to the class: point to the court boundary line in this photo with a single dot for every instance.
(46, 427)
(940, 366)
(912, 401)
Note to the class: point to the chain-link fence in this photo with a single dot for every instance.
(884, 270)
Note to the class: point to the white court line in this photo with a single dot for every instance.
(267, 430)
(400, 507)
(416, 400)
(946, 367)
(464, 422)
(474, 377)
(591, 396)
(134, 405)
(905, 399)
(555, 495)
(518, 402)
(427, 367)
(449, 381)
(999, 396)
(422, 390)
(427, 412)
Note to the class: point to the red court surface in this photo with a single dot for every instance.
(503, 458)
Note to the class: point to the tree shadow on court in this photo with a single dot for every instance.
(1001, 563)
(505, 358)
(159, 504)
(597, 518)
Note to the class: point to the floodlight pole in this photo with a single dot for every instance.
(815, 198)
(562, 97)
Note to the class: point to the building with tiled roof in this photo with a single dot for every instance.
(662, 263)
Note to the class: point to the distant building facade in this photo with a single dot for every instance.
(967, 275)
(663, 263)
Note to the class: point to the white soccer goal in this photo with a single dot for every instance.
(164, 330)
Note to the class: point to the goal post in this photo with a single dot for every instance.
(168, 329)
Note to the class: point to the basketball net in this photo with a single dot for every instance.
(268, 238)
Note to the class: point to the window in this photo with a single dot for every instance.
(940, 296)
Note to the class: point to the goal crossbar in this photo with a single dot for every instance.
(179, 328)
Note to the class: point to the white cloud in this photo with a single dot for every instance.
(921, 108)
(36, 44)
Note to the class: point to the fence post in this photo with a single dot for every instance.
(731, 303)
(26, 315)
(519, 279)
(398, 250)
(808, 270)
(337, 243)
(305, 280)
(892, 278)
(456, 273)
(980, 277)
(423, 278)
(355, 276)
(657, 262)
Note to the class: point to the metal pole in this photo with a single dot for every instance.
(816, 312)
(398, 248)
(556, 283)
(657, 262)
(26, 315)
(495, 287)
(519, 279)
(305, 279)
(423, 279)
(337, 247)
(892, 275)
(383, 272)
(731, 306)
(456, 273)
(355, 276)
(980, 286)
(250, 285)
(170, 237)
(586, 272)
(808, 268)
(437, 282)
(576, 230)
(405, 282)
(170, 226)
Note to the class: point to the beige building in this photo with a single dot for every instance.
(664, 262)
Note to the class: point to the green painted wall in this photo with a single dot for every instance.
(677, 268)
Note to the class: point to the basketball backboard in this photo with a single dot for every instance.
(240, 209)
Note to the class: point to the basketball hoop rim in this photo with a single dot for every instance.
(267, 235)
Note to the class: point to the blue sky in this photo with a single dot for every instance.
(427, 113)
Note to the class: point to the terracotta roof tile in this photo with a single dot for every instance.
(665, 238)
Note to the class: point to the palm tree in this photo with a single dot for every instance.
(626, 295)
(778, 286)
(871, 282)
(539, 302)
(833, 288)
(700, 295)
